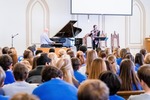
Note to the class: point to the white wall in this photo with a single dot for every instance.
(14, 16)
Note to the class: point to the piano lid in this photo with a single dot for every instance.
(69, 30)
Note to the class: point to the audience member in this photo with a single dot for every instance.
(54, 88)
(1, 51)
(6, 64)
(35, 74)
(139, 61)
(2, 78)
(144, 77)
(5, 50)
(38, 52)
(147, 58)
(20, 73)
(122, 54)
(35, 62)
(112, 60)
(93, 90)
(64, 64)
(143, 52)
(62, 53)
(13, 54)
(53, 58)
(28, 56)
(113, 82)
(76, 65)
(27, 64)
(80, 56)
(83, 48)
(128, 76)
(98, 65)
(71, 53)
(24, 96)
(108, 65)
(52, 50)
(32, 48)
(129, 56)
(91, 55)
(116, 52)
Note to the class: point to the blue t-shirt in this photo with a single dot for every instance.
(116, 97)
(9, 77)
(4, 97)
(56, 89)
(137, 66)
(80, 77)
(119, 61)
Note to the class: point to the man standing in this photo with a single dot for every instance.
(44, 39)
(95, 33)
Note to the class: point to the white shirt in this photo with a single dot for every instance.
(17, 87)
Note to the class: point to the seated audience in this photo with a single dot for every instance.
(113, 82)
(2, 78)
(35, 74)
(6, 64)
(144, 77)
(20, 73)
(128, 76)
(76, 65)
(24, 96)
(93, 90)
(54, 88)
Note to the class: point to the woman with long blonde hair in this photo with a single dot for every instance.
(53, 57)
(91, 55)
(64, 64)
(97, 67)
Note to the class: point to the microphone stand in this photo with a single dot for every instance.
(12, 37)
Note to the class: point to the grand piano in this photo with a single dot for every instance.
(64, 37)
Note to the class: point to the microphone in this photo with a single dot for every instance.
(15, 35)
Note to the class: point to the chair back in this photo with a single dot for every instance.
(114, 41)
(127, 94)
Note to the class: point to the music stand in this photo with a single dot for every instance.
(101, 39)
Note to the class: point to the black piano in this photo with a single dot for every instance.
(64, 37)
